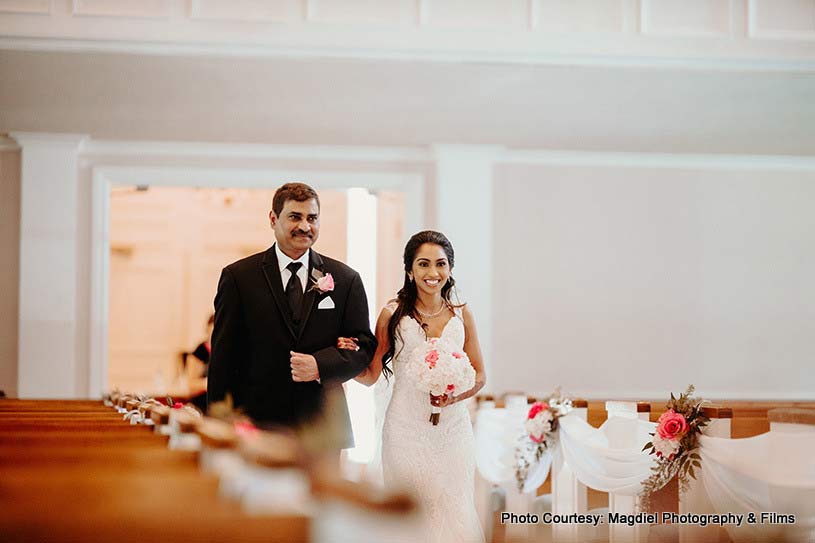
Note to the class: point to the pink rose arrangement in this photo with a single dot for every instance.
(674, 443)
(540, 422)
(671, 427)
(539, 434)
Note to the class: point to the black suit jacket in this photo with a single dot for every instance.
(254, 334)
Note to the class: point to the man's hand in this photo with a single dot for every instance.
(347, 343)
(303, 367)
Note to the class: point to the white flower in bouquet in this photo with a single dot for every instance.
(665, 448)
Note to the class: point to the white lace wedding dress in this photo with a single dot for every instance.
(437, 463)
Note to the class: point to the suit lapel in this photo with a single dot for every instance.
(310, 297)
(271, 270)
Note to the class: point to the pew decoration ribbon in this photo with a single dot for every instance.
(540, 434)
(107, 398)
(675, 444)
(136, 415)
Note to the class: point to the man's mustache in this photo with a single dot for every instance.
(300, 233)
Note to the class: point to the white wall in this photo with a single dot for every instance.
(49, 280)
(636, 280)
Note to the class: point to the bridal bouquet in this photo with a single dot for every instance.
(440, 370)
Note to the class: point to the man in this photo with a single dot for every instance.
(278, 315)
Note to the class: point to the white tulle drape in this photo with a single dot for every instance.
(772, 472)
(608, 458)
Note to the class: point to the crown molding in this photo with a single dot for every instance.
(661, 160)
(255, 150)
(550, 52)
(25, 139)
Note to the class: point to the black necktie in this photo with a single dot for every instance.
(294, 291)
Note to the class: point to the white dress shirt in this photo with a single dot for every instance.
(283, 261)
(302, 272)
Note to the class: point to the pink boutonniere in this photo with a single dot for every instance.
(321, 283)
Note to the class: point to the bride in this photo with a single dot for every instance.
(436, 462)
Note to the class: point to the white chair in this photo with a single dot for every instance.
(568, 493)
(622, 434)
(609, 459)
(497, 431)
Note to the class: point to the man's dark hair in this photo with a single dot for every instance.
(299, 192)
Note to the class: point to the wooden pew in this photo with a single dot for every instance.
(74, 470)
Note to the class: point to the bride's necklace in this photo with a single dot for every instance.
(431, 315)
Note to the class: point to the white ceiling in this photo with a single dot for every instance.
(390, 102)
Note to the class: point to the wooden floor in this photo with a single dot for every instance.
(74, 471)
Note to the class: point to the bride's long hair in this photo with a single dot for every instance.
(407, 295)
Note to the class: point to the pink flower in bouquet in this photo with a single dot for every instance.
(537, 407)
(457, 355)
(431, 358)
(672, 425)
(539, 422)
(325, 283)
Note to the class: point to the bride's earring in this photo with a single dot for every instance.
(410, 277)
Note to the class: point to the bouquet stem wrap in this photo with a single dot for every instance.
(435, 410)
(435, 415)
